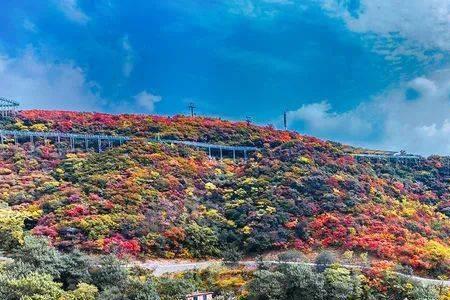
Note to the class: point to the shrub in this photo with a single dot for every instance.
(109, 273)
(38, 253)
(291, 256)
(174, 289)
(33, 286)
(267, 285)
(232, 256)
(324, 260)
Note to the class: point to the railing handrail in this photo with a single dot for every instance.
(4, 102)
(122, 138)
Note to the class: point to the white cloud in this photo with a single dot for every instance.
(46, 85)
(29, 26)
(423, 25)
(390, 120)
(72, 11)
(256, 8)
(147, 100)
(128, 64)
(243, 7)
(321, 120)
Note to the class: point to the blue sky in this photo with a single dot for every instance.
(365, 72)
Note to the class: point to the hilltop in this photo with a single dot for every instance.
(173, 201)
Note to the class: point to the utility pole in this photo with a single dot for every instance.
(285, 120)
(191, 107)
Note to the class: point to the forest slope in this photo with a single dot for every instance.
(157, 200)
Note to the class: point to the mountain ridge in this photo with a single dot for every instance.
(147, 199)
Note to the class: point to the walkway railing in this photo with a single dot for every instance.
(8, 107)
(388, 157)
(111, 140)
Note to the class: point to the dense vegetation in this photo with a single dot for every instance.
(40, 272)
(143, 199)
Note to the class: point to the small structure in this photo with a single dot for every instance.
(200, 296)
(8, 107)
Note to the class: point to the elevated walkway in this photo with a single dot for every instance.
(8, 107)
(107, 141)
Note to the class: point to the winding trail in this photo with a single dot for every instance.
(162, 267)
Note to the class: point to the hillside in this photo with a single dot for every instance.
(156, 200)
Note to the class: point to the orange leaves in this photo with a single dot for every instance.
(291, 224)
(330, 230)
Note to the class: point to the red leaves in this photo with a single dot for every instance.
(77, 210)
(151, 193)
(330, 230)
(345, 161)
(118, 245)
(182, 127)
(49, 231)
(291, 224)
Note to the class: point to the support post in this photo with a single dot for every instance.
(209, 152)
(86, 144)
(15, 139)
(245, 154)
(221, 156)
(234, 154)
(99, 145)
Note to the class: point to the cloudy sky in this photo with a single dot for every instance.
(374, 73)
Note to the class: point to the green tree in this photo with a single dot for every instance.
(232, 256)
(342, 284)
(138, 290)
(110, 273)
(174, 289)
(267, 285)
(74, 269)
(202, 241)
(83, 291)
(33, 287)
(291, 255)
(301, 282)
(324, 260)
(40, 255)
(11, 228)
(112, 293)
(399, 288)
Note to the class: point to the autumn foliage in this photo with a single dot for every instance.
(147, 199)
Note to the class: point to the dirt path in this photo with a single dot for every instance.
(161, 267)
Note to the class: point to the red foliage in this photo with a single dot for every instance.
(118, 245)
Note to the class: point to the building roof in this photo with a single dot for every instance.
(199, 294)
